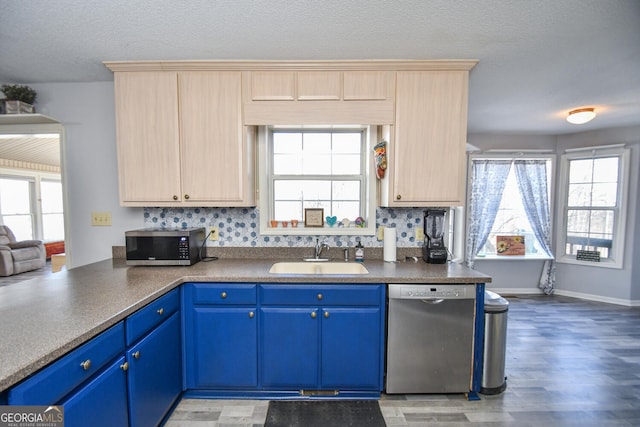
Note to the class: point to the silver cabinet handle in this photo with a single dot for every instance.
(86, 364)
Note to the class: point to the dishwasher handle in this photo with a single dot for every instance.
(432, 300)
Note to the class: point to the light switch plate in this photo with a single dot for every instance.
(101, 219)
(381, 233)
(419, 234)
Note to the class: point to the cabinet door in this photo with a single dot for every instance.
(102, 402)
(272, 85)
(215, 154)
(155, 373)
(289, 347)
(430, 138)
(319, 85)
(147, 137)
(367, 85)
(351, 348)
(221, 347)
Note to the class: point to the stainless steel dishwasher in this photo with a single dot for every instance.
(430, 338)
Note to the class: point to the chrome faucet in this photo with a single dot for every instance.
(319, 247)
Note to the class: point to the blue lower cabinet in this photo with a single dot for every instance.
(155, 373)
(351, 348)
(101, 402)
(289, 347)
(221, 347)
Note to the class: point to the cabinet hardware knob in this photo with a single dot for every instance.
(175, 197)
(313, 314)
(136, 355)
(223, 295)
(326, 314)
(124, 366)
(186, 196)
(319, 296)
(398, 197)
(86, 364)
(160, 311)
(251, 314)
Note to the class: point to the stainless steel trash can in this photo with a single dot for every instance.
(495, 343)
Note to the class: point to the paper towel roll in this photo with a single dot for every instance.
(389, 250)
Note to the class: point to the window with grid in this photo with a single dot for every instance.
(594, 205)
(317, 169)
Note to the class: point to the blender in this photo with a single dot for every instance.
(434, 250)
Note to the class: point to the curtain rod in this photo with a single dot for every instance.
(595, 147)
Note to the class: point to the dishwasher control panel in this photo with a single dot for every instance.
(429, 291)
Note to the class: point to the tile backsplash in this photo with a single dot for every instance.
(241, 226)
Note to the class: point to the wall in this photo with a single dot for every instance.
(87, 113)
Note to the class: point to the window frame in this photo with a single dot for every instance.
(265, 184)
(616, 253)
(34, 178)
(516, 155)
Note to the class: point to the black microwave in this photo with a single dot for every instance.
(164, 246)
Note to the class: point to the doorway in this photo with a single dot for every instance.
(32, 196)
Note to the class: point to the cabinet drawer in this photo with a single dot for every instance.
(221, 293)
(300, 294)
(151, 315)
(52, 383)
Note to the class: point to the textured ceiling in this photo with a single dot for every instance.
(538, 59)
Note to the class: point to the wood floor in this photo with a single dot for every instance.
(569, 363)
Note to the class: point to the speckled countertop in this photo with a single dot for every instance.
(42, 319)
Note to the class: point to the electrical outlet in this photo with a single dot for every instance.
(419, 234)
(213, 233)
(101, 219)
(381, 233)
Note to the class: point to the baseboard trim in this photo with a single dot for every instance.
(579, 295)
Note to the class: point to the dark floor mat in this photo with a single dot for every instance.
(325, 413)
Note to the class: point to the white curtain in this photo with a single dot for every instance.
(532, 182)
(488, 178)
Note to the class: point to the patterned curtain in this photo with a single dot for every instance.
(488, 178)
(532, 182)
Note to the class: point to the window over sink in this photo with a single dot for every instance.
(324, 168)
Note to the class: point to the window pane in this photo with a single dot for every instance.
(580, 171)
(346, 164)
(346, 190)
(53, 227)
(349, 210)
(285, 142)
(347, 143)
(285, 211)
(604, 195)
(317, 143)
(316, 164)
(605, 169)
(14, 196)
(307, 190)
(287, 164)
(20, 225)
(51, 195)
(579, 195)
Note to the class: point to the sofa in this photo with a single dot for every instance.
(19, 257)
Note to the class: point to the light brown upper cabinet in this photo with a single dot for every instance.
(318, 97)
(181, 141)
(427, 144)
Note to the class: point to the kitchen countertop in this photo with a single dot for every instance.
(45, 318)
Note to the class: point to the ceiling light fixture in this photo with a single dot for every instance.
(581, 115)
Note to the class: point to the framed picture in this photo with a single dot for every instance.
(313, 217)
(510, 245)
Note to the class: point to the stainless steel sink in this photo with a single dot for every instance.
(310, 267)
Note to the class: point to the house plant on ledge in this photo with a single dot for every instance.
(19, 99)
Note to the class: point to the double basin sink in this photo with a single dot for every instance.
(318, 267)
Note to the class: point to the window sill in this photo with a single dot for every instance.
(512, 258)
(607, 263)
(317, 231)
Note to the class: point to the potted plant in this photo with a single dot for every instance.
(19, 99)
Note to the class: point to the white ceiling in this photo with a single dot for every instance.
(538, 58)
